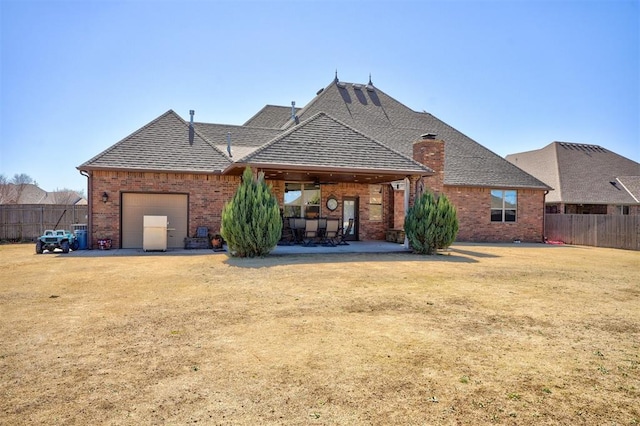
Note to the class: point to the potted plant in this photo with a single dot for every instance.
(217, 242)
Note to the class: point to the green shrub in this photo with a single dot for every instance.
(431, 223)
(251, 222)
(446, 222)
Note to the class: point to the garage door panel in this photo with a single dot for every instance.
(135, 206)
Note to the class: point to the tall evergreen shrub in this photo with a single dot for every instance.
(431, 223)
(447, 222)
(251, 222)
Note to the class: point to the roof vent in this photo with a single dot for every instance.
(429, 135)
(357, 86)
(191, 130)
(229, 144)
(293, 110)
(341, 85)
(370, 88)
(319, 91)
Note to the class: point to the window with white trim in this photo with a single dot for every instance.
(504, 205)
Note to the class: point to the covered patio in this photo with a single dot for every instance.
(353, 247)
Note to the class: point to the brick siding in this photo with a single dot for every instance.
(473, 207)
(207, 195)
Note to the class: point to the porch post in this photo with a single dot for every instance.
(407, 190)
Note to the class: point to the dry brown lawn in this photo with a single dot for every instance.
(487, 334)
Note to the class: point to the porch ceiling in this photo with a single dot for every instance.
(326, 177)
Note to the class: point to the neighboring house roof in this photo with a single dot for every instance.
(372, 112)
(358, 112)
(582, 174)
(64, 197)
(165, 144)
(31, 194)
(324, 142)
(632, 185)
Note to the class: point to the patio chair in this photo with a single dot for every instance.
(322, 227)
(344, 233)
(201, 239)
(202, 232)
(310, 232)
(287, 237)
(331, 232)
(298, 225)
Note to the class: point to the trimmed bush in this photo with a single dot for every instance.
(251, 222)
(431, 223)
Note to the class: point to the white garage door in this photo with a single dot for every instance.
(135, 206)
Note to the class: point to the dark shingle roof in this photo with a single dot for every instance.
(244, 140)
(362, 110)
(322, 141)
(632, 185)
(165, 144)
(581, 173)
(372, 112)
(271, 116)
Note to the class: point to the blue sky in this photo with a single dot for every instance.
(78, 76)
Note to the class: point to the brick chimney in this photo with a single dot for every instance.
(430, 152)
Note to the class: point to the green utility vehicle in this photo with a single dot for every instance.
(58, 239)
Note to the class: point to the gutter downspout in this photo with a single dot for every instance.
(89, 208)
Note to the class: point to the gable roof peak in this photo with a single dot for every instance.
(146, 149)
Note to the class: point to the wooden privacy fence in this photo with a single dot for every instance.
(26, 222)
(599, 230)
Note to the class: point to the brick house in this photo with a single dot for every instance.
(586, 179)
(352, 143)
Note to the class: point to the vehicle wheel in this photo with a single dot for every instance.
(64, 246)
(39, 248)
(76, 245)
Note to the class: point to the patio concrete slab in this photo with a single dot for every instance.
(353, 247)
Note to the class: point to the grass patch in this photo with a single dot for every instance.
(492, 333)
